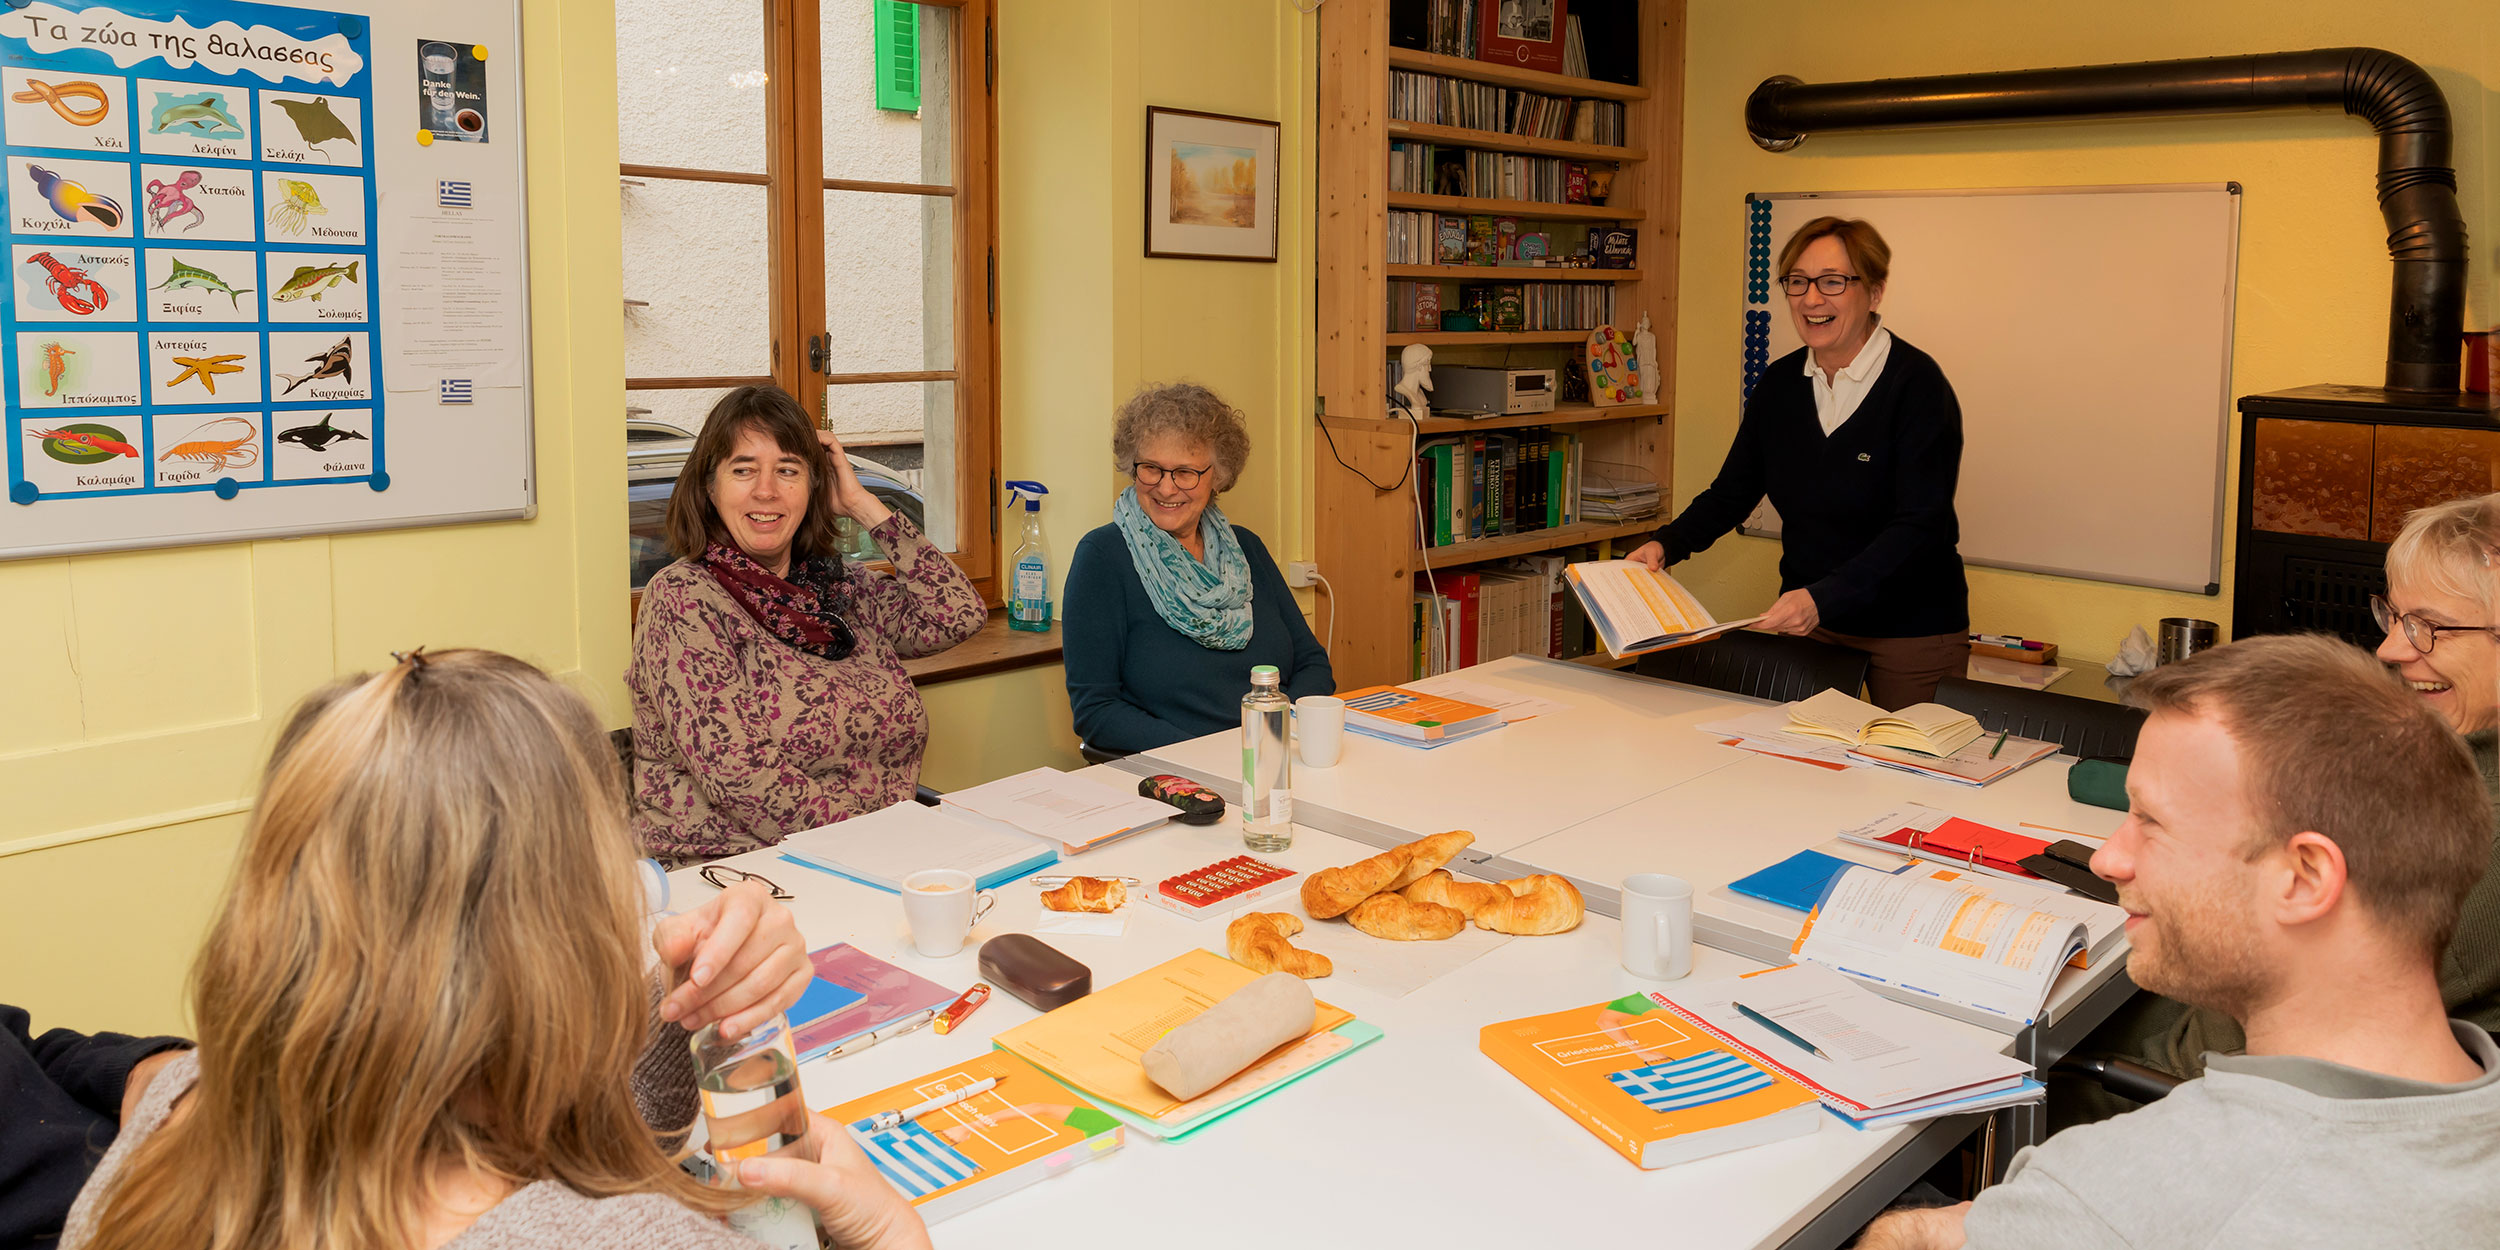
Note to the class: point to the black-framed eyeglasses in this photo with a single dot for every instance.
(722, 876)
(1148, 473)
(2421, 633)
(1827, 283)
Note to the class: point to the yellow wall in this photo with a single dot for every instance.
(2313, 266)
(138, 691)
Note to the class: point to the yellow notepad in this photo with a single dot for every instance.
(1931, 728)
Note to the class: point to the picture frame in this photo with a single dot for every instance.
(1211, 186)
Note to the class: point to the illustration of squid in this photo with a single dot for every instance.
(55, 363)
(77, 290)
(168, 202)
(74, 203)
(225, 443)
(59, 95)
(296, 201)
(82, 438)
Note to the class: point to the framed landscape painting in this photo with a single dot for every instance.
(1210, 186)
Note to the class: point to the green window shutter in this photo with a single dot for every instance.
(898, 55)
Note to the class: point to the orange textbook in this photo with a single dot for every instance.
(1024, 1129)
(1648, 1084)
(1414, 716)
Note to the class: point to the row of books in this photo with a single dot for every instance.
(1495, 483)
(1502, 176)
(1420, 238)
(1417, 306)
(1478, 616)
(1436, 100)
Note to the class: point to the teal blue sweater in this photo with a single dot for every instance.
(1135, 683)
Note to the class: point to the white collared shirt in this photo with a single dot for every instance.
(1835, 398)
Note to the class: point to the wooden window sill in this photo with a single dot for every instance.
(996, 649)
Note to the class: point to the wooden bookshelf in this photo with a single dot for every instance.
(1496, 141)
(1533, 79)
(1537, 210)
(1511, 273)
(1365, 536)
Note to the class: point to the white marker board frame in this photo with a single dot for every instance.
(444, 237)
(2096, 402)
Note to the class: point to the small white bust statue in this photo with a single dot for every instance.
(1415, 378)
(1645, 350)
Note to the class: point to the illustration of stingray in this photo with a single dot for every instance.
(319, 437)
(74, 203)
(338, 362)
(314, 120)
(205, 112)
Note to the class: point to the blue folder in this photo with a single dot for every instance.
(1795, 883)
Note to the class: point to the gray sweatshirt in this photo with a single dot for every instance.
(2267, 1151)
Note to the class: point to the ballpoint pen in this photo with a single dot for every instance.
(890, 1119)
(1786, 1036)
(917, 1019)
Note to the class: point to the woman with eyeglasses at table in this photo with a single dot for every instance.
(433, 1011)
(1857, 439)
(768, 686)
(1171, 605)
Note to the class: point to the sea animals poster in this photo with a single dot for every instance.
(170, 197)
(451, 92)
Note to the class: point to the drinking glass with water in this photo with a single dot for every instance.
(752, 1106)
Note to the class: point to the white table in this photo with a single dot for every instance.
(1417, 1136)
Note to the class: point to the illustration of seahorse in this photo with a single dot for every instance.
(55, 363)
(168, 202)
(297, 202)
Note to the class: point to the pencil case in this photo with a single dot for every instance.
(1034, 970)
(2099, 782)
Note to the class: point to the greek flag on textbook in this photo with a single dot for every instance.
(1694, 1082)
(916, 1160)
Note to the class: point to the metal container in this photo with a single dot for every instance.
(2183, 636)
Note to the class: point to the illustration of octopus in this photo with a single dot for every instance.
(297, 202)
(168, 202)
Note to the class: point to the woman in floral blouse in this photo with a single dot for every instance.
(768, 685)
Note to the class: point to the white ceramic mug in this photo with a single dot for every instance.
(1657, 926)
(941, 906)
(1319, 729)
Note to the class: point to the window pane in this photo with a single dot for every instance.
(690, 84)
(890, 281)
(873, 144)
(695, 255)
(907, 431)
(652, 457)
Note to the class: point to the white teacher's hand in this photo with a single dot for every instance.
(739, 958)
(1794, 613)
(851, 499)
(854, 1205)
(1652, 554)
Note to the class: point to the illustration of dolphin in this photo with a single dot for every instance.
(206, 112)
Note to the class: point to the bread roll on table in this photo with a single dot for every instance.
(1232, 1035)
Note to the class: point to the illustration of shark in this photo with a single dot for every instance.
(319, 437)
(337, 362)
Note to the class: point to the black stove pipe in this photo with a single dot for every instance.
(2417, 184)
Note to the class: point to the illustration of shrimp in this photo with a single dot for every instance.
(78, 291)
(168, 202)
(297, 202)
(225, 443)
(55, 363)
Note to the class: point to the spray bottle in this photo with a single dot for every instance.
(1028, 595)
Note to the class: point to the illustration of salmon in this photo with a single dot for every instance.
(193, 277)
(313, 280)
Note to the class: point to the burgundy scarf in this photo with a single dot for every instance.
(799, 611)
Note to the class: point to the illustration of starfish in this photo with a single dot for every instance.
(206, 369)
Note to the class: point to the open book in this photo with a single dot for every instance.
(1931, 728)
(1948, 937)
(1638, 609)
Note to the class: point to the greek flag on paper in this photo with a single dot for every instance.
(454, 391)
(918, 1161)
(1697, 1081)
(455, 194)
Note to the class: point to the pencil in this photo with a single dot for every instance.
(1992, 751)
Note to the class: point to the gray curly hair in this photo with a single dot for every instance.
(1190, 411)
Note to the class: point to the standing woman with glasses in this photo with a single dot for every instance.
(1170, 606)
(768, 684)
(1857, 440)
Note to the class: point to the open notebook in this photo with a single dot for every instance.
(1637, 608)
(1931, 728)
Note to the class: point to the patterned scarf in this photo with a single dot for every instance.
(801, 611)
(1208, 601)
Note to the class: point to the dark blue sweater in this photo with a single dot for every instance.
(1135, 683)
(60, 1108)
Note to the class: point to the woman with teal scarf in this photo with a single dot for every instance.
(1170, 606)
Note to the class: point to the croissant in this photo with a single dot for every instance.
(1540, 904)
(1256, 941)
(1438, 886)
(1332, 892)
(1096, 894)
(1393, 917)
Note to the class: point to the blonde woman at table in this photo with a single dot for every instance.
(431, 1007)
(768, 682)
(1856, 438)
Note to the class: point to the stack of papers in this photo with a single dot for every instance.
(1076, 813)
(1605, 497)
(1880, 1064)
(881, 848)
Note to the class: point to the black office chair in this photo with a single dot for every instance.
(2082, 727)
(1777, 667)
(1096, 755)
(2124, 1077)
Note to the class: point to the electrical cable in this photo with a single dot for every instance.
(1367, 478)
(1331, 642)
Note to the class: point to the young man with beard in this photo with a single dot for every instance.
(2300, 836)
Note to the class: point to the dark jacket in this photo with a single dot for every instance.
(60, 1107)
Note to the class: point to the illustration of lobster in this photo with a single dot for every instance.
(85, 439)
(66, 283)
(225, 443)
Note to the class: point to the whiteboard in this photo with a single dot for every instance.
(269, 270)
(2087, 334)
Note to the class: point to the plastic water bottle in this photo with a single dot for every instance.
(1266, 764)
(1028, 603)
(753, 1106)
